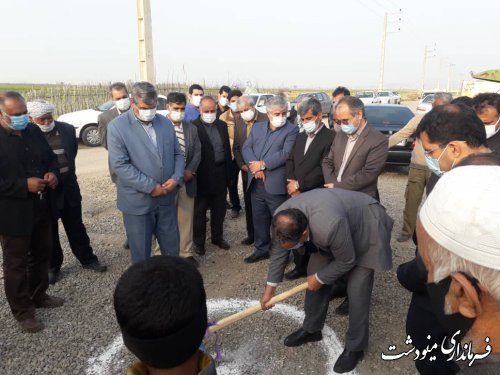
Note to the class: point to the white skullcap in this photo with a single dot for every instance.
(462, 214)
(38, 108)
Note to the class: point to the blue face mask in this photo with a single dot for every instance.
(433, 164)
(18, 123)
(349, 128)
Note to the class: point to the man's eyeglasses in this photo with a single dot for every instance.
(343, 122)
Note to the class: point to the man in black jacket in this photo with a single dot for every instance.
(212, 176)
(28, 176)
(61, 138)
(303, 167)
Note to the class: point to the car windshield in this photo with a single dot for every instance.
(302, 96)
(255, 98)
(384, 93)
(104, 107)
(364, 94)
(428, 99)
(388, 115)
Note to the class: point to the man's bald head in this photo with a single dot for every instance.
(289, 225)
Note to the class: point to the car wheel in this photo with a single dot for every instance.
(90, 136)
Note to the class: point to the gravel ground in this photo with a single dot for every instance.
(81, 337)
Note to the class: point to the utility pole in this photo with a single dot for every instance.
(382, 54)
(427, 53)
(439, 75)
(449, 77)
(146, 58)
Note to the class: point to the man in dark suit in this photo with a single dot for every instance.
(303, 167)
(242, 126)
(187, 135)
(212, 177)
(356, 159)
(350, 233)
(121, 99)
(28, 170)
(62, 140)
(265, 153)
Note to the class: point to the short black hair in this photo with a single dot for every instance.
(156, 297)
(289, 225)
(234, 92)
(195, 87)
(453, 122)
(341, 90)
(176, 97)
(464, 100)
(9, 95)
(225, 89)
(118, 86)
(486, 158)
(481, 101)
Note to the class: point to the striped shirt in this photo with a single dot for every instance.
(179, 133)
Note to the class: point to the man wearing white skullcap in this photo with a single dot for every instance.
(459, 242)
(62, 140)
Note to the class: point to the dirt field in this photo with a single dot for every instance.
(81, 337)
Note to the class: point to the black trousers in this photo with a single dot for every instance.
(300, 258)
(248, 206)
(78, 239)
(234, 198)
(217, 205)
(26, 264)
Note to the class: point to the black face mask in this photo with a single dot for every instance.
(450, 322)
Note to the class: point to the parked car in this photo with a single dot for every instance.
(389, 119)
(425, 104)
(324, 99)
(397, 95)
(85, 121)
(368, 97)
(388, 97)
(260, 101)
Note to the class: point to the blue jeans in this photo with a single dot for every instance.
(162, 223)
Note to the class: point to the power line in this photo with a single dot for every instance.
(369, 8)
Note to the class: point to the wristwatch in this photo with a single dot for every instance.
(262, 166)
(296, 186)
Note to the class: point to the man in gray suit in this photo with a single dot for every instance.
(187, 135)
(348, 233)
(149, 164)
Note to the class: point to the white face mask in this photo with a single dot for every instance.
(176, 116)
(147, 115)
(310, 127)
(491, 129)
(123, 104)
(47, 128)
(195, 100)
(223, 101)
(209, 118)
(233, 106)
(248, 115)
(278, 121)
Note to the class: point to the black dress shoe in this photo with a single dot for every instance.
(125, 245)
(95, 266)
(222, 244)
(295, 274)
(54, 276)
(301, 337)
(347, 361)
(247, 241)
(343, 308)
(193, 261)
(199, 249)
(256, 258)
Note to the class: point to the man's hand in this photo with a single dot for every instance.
(266, 297)
(158, 191)
(260, 175)
(188, 176)
(51, 180)
(36, 185)
(329, 186)
(313, 283)
(256, 166)
(244, 168)
(169, 185)
(297, 193)
(291, 187)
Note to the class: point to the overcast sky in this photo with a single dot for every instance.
(272, 43)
